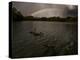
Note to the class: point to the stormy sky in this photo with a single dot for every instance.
(45, 10)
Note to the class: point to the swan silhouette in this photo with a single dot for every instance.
(36, 34)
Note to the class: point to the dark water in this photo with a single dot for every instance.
(54, 35)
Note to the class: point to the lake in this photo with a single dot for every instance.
(57, 34)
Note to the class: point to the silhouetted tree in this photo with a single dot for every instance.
(16, 15)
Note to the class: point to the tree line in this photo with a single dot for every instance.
(17, 16)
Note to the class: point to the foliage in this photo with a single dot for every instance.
(17, 16)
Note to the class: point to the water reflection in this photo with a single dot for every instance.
(55, 34)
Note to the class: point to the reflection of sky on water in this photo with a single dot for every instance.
(26, 44)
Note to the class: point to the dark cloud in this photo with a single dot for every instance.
(73, 12)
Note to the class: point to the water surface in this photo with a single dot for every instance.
(25, 44)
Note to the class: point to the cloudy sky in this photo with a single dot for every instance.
(45, 10)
